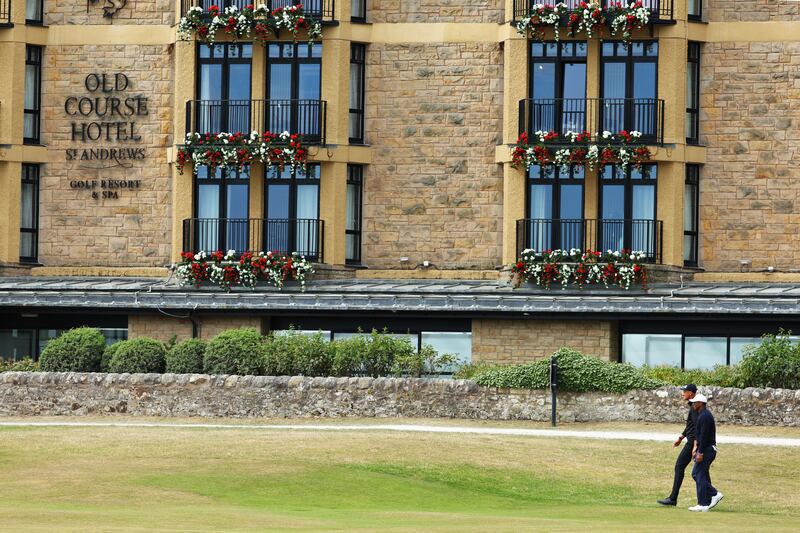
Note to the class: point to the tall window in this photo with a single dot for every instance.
(691, 197)
(628, 209)
(558, 87)
(358, 10)
(33, 93)
(34, 10)
(292, 211)
(357, 67)
(694, 9)
(355, 183)
(29, 214)
(629, 87)
(555, 208)
(293, 89)
(224, 88)
(221, 200)
(693, 93)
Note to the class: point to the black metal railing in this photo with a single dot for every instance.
(595, 115)
(589, 234)
(660, 10)
(314, 9)
(301, 235)
(304, 117)
(5, 13)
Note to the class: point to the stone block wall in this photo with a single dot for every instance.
(125, 12)
(749, 199)
(163, 327)
(190, 395)
(522, 341)
(467, 11)
(433, 191)
(751, 10)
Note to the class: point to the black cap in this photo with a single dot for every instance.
(691, 387)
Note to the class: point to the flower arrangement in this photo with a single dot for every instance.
(575, 267)
(542, 16)
(249, 20)
(549, 148)
(588, 17)
(633, 16)
(240, 149)
(230, 269)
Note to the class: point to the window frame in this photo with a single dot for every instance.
(40, 20)
(222, 184)
(31, 173)
(352, 179)
(693, 113)
(362, 62)
(693, 179)
(357, 18)
(33, 56)
(695, 17)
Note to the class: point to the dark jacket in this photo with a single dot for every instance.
(706, 430)
(691, 424)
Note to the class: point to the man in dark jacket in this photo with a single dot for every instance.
(706, 452)
(685, 455)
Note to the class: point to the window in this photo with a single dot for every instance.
(33, 93)
(693, 93)
(694, 9)
(554, 208)
(222, 207)
(224, 88)
(33, 11)
(29, 214)
(25, 342)
(687, 351)
(358, 10)
(292, 212)
(691, 197)
(294, 88)
(355, 184)
(629, 87)
(628, 209)
(357, 67)
(557, 87)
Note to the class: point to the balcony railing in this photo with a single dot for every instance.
(5, 13)
(661, 11)
(594, 115)
(305, 117)
(587, 234)
(314, 9)
(301, 235)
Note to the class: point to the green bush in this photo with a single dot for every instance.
(373, 355)
(236, 351)
(427, 361)
(108, 353)
(470, 370)
(348, 355)
(721, 375)
(576, 373)
(139, 356)
(774, 363)
(294, 353)
(76, 350)
(186, 357)
(20, 365)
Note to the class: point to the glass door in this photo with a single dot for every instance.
(292, 212)
(628, 209)
(294, 89)
(558, 87)
(224, 88)
(222, 209)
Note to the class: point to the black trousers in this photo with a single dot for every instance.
(702, 476)
(683, 460)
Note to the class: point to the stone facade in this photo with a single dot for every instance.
(522, 341)
(133, 229)
(433, 191)
(751, 10)
(129, 12)
(466, 11)
(750, 101)
(163, 327)
(190, 395)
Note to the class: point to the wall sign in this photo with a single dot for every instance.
(110, 7)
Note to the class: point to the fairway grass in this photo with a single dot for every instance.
(180, 479)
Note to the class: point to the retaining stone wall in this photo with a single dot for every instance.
(188, 395)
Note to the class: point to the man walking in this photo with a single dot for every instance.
(706, 439)
(685, 455)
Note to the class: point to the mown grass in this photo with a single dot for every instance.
(164, 479)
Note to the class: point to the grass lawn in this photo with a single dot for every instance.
(174, 479)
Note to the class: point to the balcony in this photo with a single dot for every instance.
(594, 115)
(5, 14)
(300, 235)
(304, 117)
(661, 11)
(321, 10)
(587, 234)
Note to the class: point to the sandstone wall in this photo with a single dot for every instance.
(163, 327)
(522, 341)
(433, 191)
(91, 12)
(57, 394)
(467, 11)
(751, 10)
(749, 199)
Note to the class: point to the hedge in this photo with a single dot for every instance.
(76, 350)
(186, 357)
(142, 355)
(294, 353)
(236, 351)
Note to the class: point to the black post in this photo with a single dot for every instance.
(553, 387)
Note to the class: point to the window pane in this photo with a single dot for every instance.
(27, 209)
(352, 207)
(16, 343)
(278, 201)
(326, 334)
(357, 9)
(705, 352)
(457, 343)
(33, 10)
(651, 350)
(27, 245)
(738, 345)
(689, 223)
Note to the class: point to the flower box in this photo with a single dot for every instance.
(577, 268)
(228, 270)
(590, 18)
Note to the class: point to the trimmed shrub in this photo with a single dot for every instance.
(427, 361)
(76, 350)
(294, 353)
(108, 353)
(372, 355)
(236, 351)
(470, 370)
(348, 356)
(139, 356)
(186, 357)
(721, 375)
(774, 363)
(20, 365)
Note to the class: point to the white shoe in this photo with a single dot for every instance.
(716, 499)
(699, 508)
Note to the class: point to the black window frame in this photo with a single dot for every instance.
(555, 232)
(693, 113)
(295, 61)
(363, 5)
(628, 221)
(222, 181)
(629, 59)
(355, 176)
(33, 56)
(693, 180)
(695, 17)
(225, 61)
(35, 22)
(559, 59)
(271, 176)
(550, 174)
(358, 56)
(31, 174)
